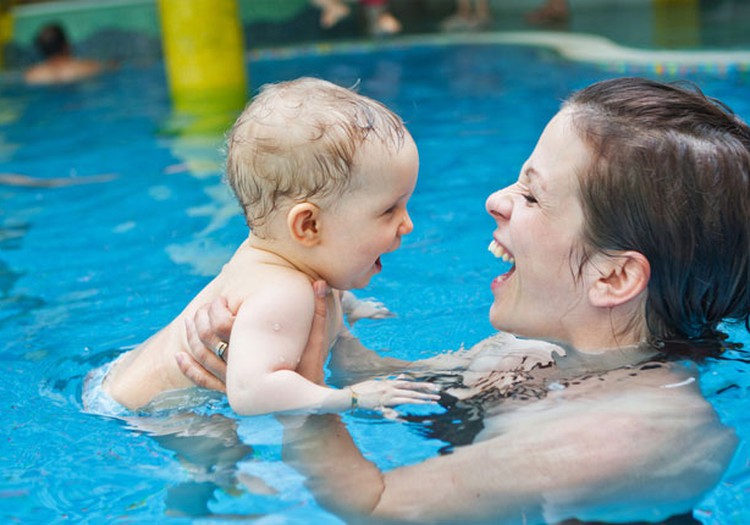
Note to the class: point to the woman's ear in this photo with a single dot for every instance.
(621, 278)
(303, 222)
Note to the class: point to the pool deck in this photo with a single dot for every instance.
(589, 48)
(600, 50)
(617, 34)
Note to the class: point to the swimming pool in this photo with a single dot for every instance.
(87, 270)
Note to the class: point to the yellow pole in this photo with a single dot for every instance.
(6, 27)
(676, 23)
(204, 54)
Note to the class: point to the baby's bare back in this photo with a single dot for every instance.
(140, 375)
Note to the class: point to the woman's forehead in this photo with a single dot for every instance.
(558, 157)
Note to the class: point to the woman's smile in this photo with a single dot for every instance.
(500, 252)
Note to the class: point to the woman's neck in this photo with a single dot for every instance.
(607, 358)
(599, 330)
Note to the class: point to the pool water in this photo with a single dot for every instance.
(88, 270)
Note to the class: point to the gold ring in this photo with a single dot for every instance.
(221, 349)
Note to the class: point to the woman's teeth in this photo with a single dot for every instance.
(501, 253)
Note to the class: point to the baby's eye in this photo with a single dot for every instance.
(529, 198)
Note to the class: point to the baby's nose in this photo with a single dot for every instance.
(406, 225)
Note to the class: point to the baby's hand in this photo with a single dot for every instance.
(377, 394)
(356, 309)
(506, 352)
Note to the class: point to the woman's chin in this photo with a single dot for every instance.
(507, 320)
(497, 319)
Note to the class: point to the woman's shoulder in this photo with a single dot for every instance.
(658, 391)
(651, 436)
(651, 410)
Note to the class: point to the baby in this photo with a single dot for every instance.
(323, 176)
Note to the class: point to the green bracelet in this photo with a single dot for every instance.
(355, 399)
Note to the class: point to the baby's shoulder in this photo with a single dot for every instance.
(251, 272)
(277, 284)
(247, 281)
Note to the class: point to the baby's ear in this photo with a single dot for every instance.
(303, 223)
(621, 278)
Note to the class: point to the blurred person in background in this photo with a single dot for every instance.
(551, 12)
(58, 66)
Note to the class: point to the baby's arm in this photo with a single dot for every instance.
(270, 333)
(267, 341)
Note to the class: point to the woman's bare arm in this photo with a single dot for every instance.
(588, 460)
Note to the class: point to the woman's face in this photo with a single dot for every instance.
(539, 223)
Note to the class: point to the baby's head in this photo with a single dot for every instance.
(323, 175)
(303, 140)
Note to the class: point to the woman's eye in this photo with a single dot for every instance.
(529, 198)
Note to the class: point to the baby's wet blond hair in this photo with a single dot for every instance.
(298, 141)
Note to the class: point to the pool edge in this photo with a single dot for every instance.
(579, 47)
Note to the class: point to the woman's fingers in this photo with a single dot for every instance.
(197, 373)
(201, 343)
(207, 332)
(313, 357)
(220, 319)
(317, 340)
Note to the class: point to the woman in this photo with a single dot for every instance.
(629, 233)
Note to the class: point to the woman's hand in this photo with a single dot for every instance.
(206, 330)
(211, 326)
(311, 364)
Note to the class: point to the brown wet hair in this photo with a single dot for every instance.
(670, 178)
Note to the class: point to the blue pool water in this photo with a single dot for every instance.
(88, 270)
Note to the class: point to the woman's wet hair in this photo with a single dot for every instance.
(670, 178)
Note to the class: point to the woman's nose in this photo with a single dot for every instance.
(499, 205)
(406, 226)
